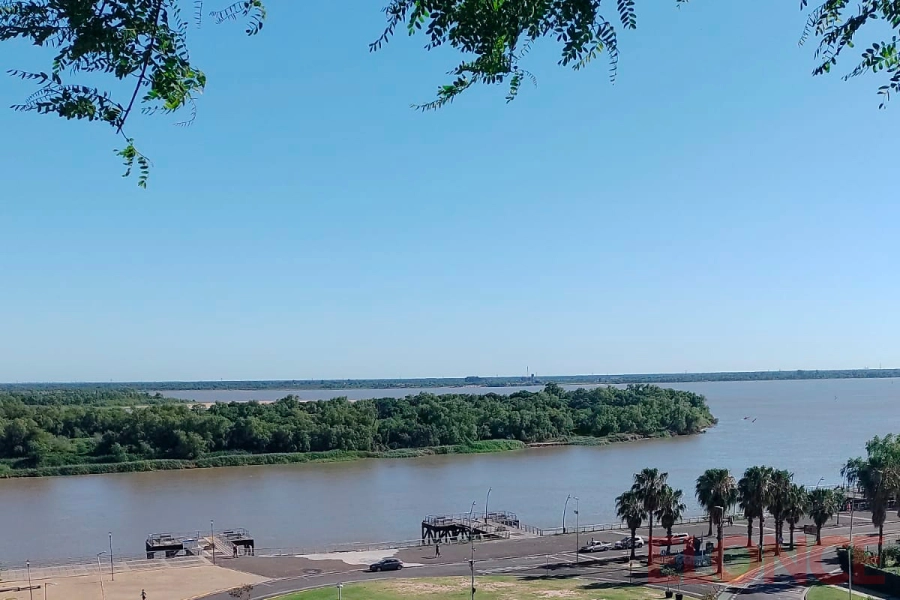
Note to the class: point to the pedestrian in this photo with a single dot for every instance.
(143, 595)
(234, 551)
(437, 550)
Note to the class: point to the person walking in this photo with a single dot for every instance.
(437, 550)
(143, 595)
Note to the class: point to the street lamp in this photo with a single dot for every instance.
(340, 588)
(565, 508)
(472, 543)
(112, 571)
(850, 551)
(821, 479)
(486, 501)
(28, 568)
(576, 531)
(46, 585)
(100, 574)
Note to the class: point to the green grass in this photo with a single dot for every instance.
(826, 592)
(488, 588)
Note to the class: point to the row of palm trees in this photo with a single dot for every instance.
(760, 490)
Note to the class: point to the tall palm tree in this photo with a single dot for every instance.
(716, 487)
(879, 478)
(671, 508)
(756, 490)
(648, 486)
(778, 499)
(795, 508)
(850, 471)
(630, 510)
(820, 508)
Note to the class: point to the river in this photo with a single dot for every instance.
(808, 427)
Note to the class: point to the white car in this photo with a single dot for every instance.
(596, 546)
(627, 542)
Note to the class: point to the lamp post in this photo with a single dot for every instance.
(46, 585)
(577, 560)
(28, 569)
(565, 508)
(212, 540)
(472, 544)
(850, 551)
(486, 501)
(100, 574)
(112, 571)
(721, 549)
(340, 588)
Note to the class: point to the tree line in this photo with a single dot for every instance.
(47, 435)
(765, 490)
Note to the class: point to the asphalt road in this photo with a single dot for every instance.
(555, 557)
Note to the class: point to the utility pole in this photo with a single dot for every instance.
(28, 568)
(850, 551)
(100, 573)
(472, 543)
(577, 547)
(112, 571)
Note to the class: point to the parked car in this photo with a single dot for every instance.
(596, 546)
(628, 541)
(386, 564)
(677, 538)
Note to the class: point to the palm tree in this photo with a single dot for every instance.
(795, 508)
(821, 507)
(850, 471)
(648, 486)
(630, 510)
(777, 504)
(670, 510)
(716, 487)
(879, 479)
(755, 488)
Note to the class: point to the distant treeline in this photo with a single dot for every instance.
(83, 397)
(55, 435)
(381, 384)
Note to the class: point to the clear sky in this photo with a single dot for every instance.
(716, 209)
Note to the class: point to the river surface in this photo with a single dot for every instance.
(808, 427)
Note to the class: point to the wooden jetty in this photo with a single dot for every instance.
(458, 528)
(223, 543)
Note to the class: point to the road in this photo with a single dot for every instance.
(782, 579)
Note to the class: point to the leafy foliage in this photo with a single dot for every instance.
(821, 506)
(144, 42)
(630, 509)
(671, 508)
(650, 487)
(44, 434)
(716, 487)
(796, 506)
(755, 495)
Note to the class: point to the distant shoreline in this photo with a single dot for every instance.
(331, 456)
(473, 381)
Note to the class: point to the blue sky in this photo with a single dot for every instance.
(716, 209)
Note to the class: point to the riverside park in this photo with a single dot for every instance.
(525, 566)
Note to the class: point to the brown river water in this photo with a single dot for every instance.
(808, 427)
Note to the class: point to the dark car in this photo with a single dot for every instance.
(386, 564)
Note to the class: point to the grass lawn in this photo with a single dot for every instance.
(826, 592)
(488, 588)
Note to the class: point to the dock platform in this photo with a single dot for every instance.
(225, 544)
(456, 528)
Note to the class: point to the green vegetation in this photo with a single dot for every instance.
(153, 58)
(489, 588)
(433, 382)
(82, 397)
(716, 488)
(878, 477)
(59, 438)
(827, 592)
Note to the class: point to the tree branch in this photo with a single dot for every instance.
(147, 56)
